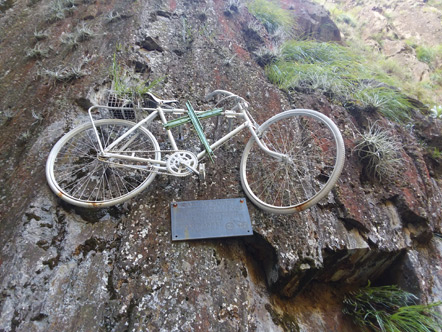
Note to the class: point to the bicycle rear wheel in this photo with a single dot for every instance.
(314, 151)
(78, 175)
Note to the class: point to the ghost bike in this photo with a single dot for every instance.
(290, 162)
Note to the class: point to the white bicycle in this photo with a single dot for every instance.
(290, 162)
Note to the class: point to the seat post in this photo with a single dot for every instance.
(169, 133)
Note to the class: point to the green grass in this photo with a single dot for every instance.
(308, 76)
(436, 77)
(436, 153)
(272, 15)
(428, 92)
(425, 54)
(324, 66)
(391, 103)
(127, 86)
(317, 52)
(342, 72)
(431, 55)
(337, 70)
(390, 309)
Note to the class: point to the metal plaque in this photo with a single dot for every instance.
(210, 219)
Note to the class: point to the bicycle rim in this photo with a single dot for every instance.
(76, 174)
(315, 151)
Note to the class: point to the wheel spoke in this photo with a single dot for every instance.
(83, 179)
(308, 141)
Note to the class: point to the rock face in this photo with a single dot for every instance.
(116, 269)
(397, 29)
(312, 20)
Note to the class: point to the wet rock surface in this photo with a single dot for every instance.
(65, 268)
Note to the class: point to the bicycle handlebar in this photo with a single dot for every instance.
(217, 92)
(228, 96)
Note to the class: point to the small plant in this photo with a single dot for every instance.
(436, 153)
(431, 55)
(126, 86)
(271, 15)
(391, 309)
(7, 114)
(58, 9)
(436, 77)
(40, 35)
(82, 33)
(378, 151)
(254, 25)
(113, 16)
(266, 56)
(25, 135)
(63, 74)
(37, 52)
(379, 38)
(436, 112)
(229, 61)
(70, 40)
(425, 54)
(387, 101)
(347, 19)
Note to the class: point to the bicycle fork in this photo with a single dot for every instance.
(255, 133)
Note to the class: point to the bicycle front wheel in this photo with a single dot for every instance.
(79, 175)
(314, 155)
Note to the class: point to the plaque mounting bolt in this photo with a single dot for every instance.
(174, 205)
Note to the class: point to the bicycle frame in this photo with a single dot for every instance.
(162, 111)
(112, 159)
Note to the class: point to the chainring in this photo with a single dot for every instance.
(182, 163)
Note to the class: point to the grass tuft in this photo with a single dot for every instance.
(37, 52)
(390, 309)
(63, 74)
(265, 56)
(391, 103)
(379, 152)
(271, 15)
(59, 9)
(40, 35)
(127, 86)
(425, 54)
(81, 33)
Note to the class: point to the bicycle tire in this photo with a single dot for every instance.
(316, 157)
(76, 174)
